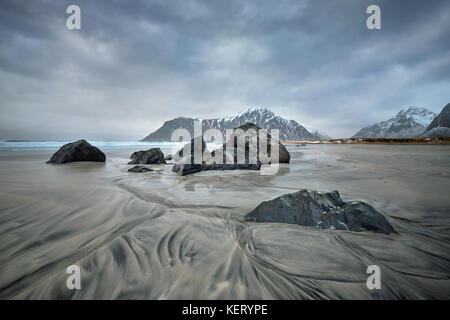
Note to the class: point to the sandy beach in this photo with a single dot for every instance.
(157, 235)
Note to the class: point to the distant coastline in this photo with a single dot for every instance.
(434, 140)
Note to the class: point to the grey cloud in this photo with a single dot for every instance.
(136, 64)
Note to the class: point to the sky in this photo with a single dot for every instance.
(135, 64)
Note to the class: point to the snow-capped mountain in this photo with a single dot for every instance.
(406, 124)
(440, 126)
(289, 129)
(321, 134)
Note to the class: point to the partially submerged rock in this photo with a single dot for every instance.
(139, 169)
(80, 150)
(151, 156)
(322, 210)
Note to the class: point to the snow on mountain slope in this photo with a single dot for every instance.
(440, 126)
(289, 129)
(407, 123)
(322, 135)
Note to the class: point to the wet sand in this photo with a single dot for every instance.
(156, 235)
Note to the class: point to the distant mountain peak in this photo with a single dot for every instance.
(256, 109)
(262, 117)
(407, 123)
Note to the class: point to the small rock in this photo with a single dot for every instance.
(151, 156)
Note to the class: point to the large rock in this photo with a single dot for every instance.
(322, 210)
(187, 165)
(80, 150)
(209, 162)
(284, 156)
(183, 168)
(151, 156)
(197, 141)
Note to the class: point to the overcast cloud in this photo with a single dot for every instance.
(135, 64)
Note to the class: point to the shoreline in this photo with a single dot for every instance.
(393, 141)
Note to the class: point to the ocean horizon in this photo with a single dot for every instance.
(30, 145)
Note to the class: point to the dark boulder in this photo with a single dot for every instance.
(197, 141)
(186, 164)
(80, 150)
(209, 161)
(184, 169)
(283, 156)
(139, 169)
(151, 156)
(322, 210)
(359, 216)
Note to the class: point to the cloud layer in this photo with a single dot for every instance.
(135, 64)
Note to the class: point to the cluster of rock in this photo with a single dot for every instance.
(83, 151)
(305, 207)
(323, 210)
(188, 164)
(150, 156)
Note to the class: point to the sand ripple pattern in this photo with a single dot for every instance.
(159, 236)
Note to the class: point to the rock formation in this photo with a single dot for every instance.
(323, 210)
(151, 156)
(80, 150)
(187, 164)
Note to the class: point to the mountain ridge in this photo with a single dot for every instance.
(407, 123)
(289, 129)
(440, 126)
